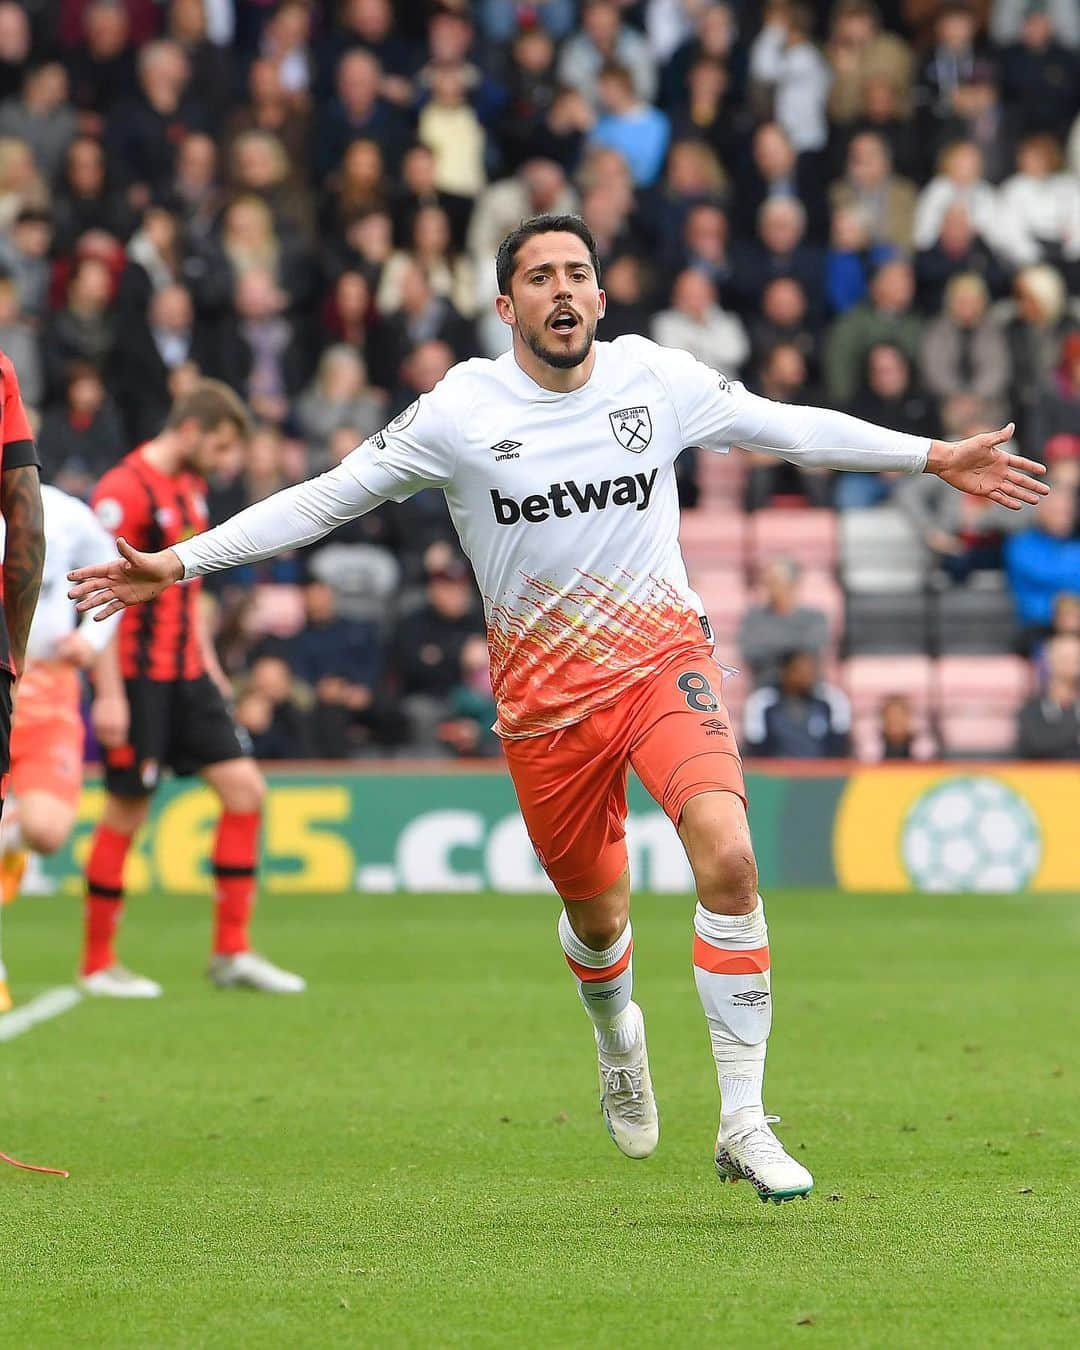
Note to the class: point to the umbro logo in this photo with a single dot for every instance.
(507, 450)
(751, 998)
(714, 727)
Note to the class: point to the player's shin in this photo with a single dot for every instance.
(236, 850)
(731, 967)
(104, 897)
(605, 981)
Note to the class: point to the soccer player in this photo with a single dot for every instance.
(47, 739)
(179, 717)
(557, 461)
(24, 557)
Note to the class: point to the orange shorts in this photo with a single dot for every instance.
(675, 732)
(47, 733)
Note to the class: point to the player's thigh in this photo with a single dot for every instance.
(133, 770)
(46, 774)
(572, 794)
(238, 782)
(682, 743)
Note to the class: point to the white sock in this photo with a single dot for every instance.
(605, 983)
(731, 968)
(11, 835)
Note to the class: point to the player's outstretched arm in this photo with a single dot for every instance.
(289, 519)
(981, 466)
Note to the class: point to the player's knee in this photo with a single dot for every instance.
(727, 877)
(245, 793)
(46, 834)
(126, 815)
(599, 931)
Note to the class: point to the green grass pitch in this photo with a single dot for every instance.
(412, 1154)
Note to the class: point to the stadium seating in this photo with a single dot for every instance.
(974, 620)
(806, 534)
(714, 538)
(886, 623)
(880, 552)
(979, 698)
(869, 679)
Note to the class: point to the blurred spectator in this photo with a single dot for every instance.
(101, 65)
(957, 249)
(208, 63)
(965, 534)
(250, 241)
(338, 396)
(273, 109)
(706, 107)
(196, 192)
(143, 131)
(956, 62)
(887, 201)
(451, 129)
(1043, 561)
(783, 318)
(156, 257)
(885, 114)
(42, 118)
(418, 189)
(697, 324)
(24, 255)
(15, 40)
(1039, 68)
(965, 350)
(540, 186)
(784, 377)
(84, 329)
(341, 662)
(371, 26)
(777, 171)
(898, 734)
(784, 60)
(859, 52)
(428, 646)
(604, 40)
(471, 705)
(887, 316)
(1055, 422)
(1039, 324)
(150, 347)
(420, 316)
(432, 249)
(1048, 726)
(81, 438)
(713, 40)
(270, 712)
(702, 244)
(637, 130)
(890, 397)
(499, 18)
(798, 717)
(85, 199)
(21, 185)
(627, 310)
(959, 181)
(780, 250)
(259, 164)
(851, 259)
(357, 109)
(285, 43)
(19, 343)
(1043, 205)
(779, 625)
(263, 353)
(348, 311)
(532, 89)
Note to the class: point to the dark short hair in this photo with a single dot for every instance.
(210, 403)
(506, 258)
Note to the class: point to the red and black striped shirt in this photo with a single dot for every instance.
(16, 452)
(153, 510)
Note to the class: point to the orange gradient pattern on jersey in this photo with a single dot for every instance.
(559, 655)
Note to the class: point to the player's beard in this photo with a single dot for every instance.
(559, 360)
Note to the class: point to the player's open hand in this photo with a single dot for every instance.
(980, 466)
(131, 579)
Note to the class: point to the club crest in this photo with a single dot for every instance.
(632, 428)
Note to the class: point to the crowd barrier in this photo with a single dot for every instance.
(406, 828)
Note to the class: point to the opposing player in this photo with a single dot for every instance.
(24, 558)
(47, 738)
(179, 717)
(557, 461)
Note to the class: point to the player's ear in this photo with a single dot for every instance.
(504, 308)
(601, 305)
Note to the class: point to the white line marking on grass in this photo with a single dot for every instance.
(51, 1003)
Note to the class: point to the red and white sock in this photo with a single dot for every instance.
(605, 983)
(731, 968)
(104, 897)
(236, 852)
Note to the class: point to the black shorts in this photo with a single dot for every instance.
(183, 725)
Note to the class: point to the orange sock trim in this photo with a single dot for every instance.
(725, 961)
(590, 974)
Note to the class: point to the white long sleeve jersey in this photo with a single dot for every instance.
(73, 538)
(566, 506)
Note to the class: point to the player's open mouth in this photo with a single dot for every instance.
(563, 323)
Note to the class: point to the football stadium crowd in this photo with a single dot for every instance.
(875, 206)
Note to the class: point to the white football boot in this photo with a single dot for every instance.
(626, 1096)
(747, 1149)
(116, 981)
(249, 970)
